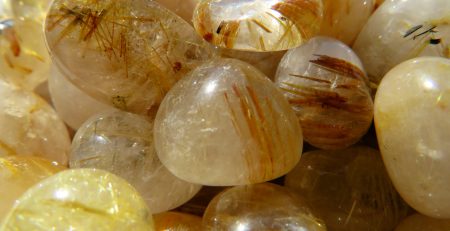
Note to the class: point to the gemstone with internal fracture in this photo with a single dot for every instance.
(174, 221)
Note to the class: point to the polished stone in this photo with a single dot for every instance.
(183, 8)
(174, 221)
(419, 222)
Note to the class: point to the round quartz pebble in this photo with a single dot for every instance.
(174, 221)
(17, 174)
(127, 53)
(122, 143)
(412, 111)
(259, 207)
(226, 124)
(30, 127)
(256, 25)
(418, 222)
(400, 30)
(349, 189)
(326, 85)
(82, 199)
(183, 8)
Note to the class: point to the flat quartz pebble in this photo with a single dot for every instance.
(326, 85)
(81, 199)
(259, 207)
(122, 143)
(175, 221)
(30, 127)
(401, 30)
(256, 25)
(227, 124)
(349, 189)
(18, 174)
(126, 53)
(412, 120)
(419, 222)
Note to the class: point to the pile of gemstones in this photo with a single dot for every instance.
(239, 115)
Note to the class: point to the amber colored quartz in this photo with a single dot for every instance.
(325, 83)
(419, 222)
(227, 124)
(349, 189)
(412, 120)
(18, 174)
(255, 25)
(174, 221)
(82, 199)
(183, 8)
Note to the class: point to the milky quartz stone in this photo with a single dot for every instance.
(344, 19)
(401, 30)
(82, 199)
(127, 53)
(30, 127)
(258, 25)
(18, 174)
(183, 8)
(226, 124)
(174, 221)
(73, 105)
(122, 143)
(419, 222)
(326, 85)
(349, 189)
(412, 111)
(259, 207)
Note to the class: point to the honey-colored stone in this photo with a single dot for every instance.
(183, 8)
(419, 222)
(412, 111)
(82, 199)
(227, 124)
(174, 221)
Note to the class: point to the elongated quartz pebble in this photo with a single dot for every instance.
(227, 124)
(412, 120)
(419, 222)
(174, 221)
(256, 25)
(81, 199)
(326, 85)
(401, 30)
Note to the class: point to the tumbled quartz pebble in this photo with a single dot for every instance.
(349, 189)
(227, 124)
(82, 199)
(183, 8)
(122, 143)
(256, 25)
(174, 221)
(325, 83)
(412, 120)
(419, 222)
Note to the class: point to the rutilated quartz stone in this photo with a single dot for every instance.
(174, 221)
(81, 199)
(419, 222)
(349, 189)
(326, 85)
(257, 25)
(183, 8)
(226, 124)
(127, 53)
(18, 174)
(259, 207)
(412, 111)
(30, 127)
(122, 143)
(401, 30)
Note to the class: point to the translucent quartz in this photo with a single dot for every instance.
(349, 189)
(378, 3)
(5, 9)
(258, 25)
(412, 111)
(226, 124)
(82, 199)
(259, 207)
(17, 174)
(122, 143)
(344, 19)
(418, 222)
(183, 8)
(173, 221)
(326, 85)
(30, 127)
(72, 105)
(127, 53)
(400, 30)
(30, 9)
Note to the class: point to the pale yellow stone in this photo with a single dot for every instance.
(82, 199)
(183, 8)
(174, 221)
(412, 120)
(419, 222)
(30, 9)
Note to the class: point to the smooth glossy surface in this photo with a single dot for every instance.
(227, 124)
(83, 199)
(258, 25)
(419, 222)
(183, 8)
(174, 221)
(326, 86)
(349, 189)
(412, 111)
